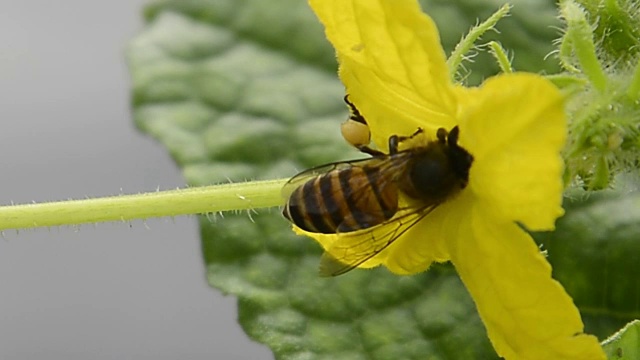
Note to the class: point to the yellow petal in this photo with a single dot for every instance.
(515, 127)
(419, 244)
(426, 242)
(392, 63)
(352, 241)
(528, 315)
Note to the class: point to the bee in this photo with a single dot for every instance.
(360, 199)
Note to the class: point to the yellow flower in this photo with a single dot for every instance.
(394, 69)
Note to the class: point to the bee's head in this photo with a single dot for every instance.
(460, 158)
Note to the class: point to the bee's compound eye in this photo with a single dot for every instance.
(355, 133)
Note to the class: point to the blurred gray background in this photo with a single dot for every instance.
(107, 291)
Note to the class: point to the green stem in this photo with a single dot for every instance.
(634, 88)
(196, 200)
(581, 38)
(468, 42)
(501, 57)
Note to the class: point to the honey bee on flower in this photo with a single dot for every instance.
(361, 197)
(505, 137)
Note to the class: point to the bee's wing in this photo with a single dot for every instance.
(351, 195)
(352, 249)
(304, 176)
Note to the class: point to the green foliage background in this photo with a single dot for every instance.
(247, 89)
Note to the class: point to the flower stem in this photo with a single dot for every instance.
(634, 88)
(468, 42)
(501, 56)
(580, 36)
(196, 200)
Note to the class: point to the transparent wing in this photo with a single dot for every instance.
(345, 196)
(306, 175)
(354, 248)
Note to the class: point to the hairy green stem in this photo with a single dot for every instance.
(196, 200)
(580, 37)
(501, 56)
(468, 42)
(634, 88)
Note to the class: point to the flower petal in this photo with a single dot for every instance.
(392, 63)
(418, 245)
(514, 126)
(426, 242)
(528, 315)
(334, 246)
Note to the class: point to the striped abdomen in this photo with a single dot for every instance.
(343, 200)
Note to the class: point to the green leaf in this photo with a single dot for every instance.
(240, 90)
(624, 344)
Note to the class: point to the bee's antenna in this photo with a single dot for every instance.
(452, 139)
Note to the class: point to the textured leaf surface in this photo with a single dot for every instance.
(624, 344)
(248, 90)
(595, 253)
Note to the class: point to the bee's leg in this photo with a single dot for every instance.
(395, 140)
(356, 130)
(355, 113)
(373, 152)
(418, 132)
